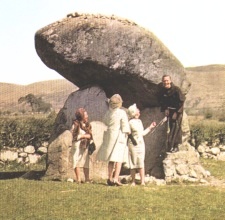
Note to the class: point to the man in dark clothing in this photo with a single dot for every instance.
(171, 100)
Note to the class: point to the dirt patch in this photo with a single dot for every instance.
(216, 182)
(37, 175)
(31, 175)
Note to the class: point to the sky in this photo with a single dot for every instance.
(193, 30)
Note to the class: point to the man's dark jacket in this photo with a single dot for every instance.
(172, 97)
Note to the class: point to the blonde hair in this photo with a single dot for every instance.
(115, 101)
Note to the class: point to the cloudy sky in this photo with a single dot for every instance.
(193, 30)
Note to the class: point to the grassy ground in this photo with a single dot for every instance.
(215, 167)
(210, 123)
(30, 199)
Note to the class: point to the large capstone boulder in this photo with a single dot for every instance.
(113, 53)
(103, 56)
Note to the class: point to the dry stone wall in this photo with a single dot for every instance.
(26, 155)
(184, 165)
(215, 151)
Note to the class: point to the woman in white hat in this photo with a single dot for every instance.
(114, 143)
(137, 150)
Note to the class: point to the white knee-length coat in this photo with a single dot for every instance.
(115, 137)
(137, 153)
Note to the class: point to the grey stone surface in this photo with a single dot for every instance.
(107, 55)
(60, 152)
(113, 53)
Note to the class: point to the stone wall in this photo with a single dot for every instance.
(181, 166)
(184, 165)
(26, 155)
(215, 151)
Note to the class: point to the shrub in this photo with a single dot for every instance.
(207, 130)
(20, 132)
(222, 118)
(208, 115)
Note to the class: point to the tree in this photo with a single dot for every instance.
(36, 103)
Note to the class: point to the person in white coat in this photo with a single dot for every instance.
(137, 149)
(114, 143)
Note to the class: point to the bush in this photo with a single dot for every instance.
(20, 132)
(222, 118)
(208, 115)
(207, 130)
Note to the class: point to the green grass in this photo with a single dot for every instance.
(28, 199)
(13, 166)
(215, 167)
(207, 125)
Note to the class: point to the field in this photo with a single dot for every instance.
(33, 199)
(206, 95)
(54, 92)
